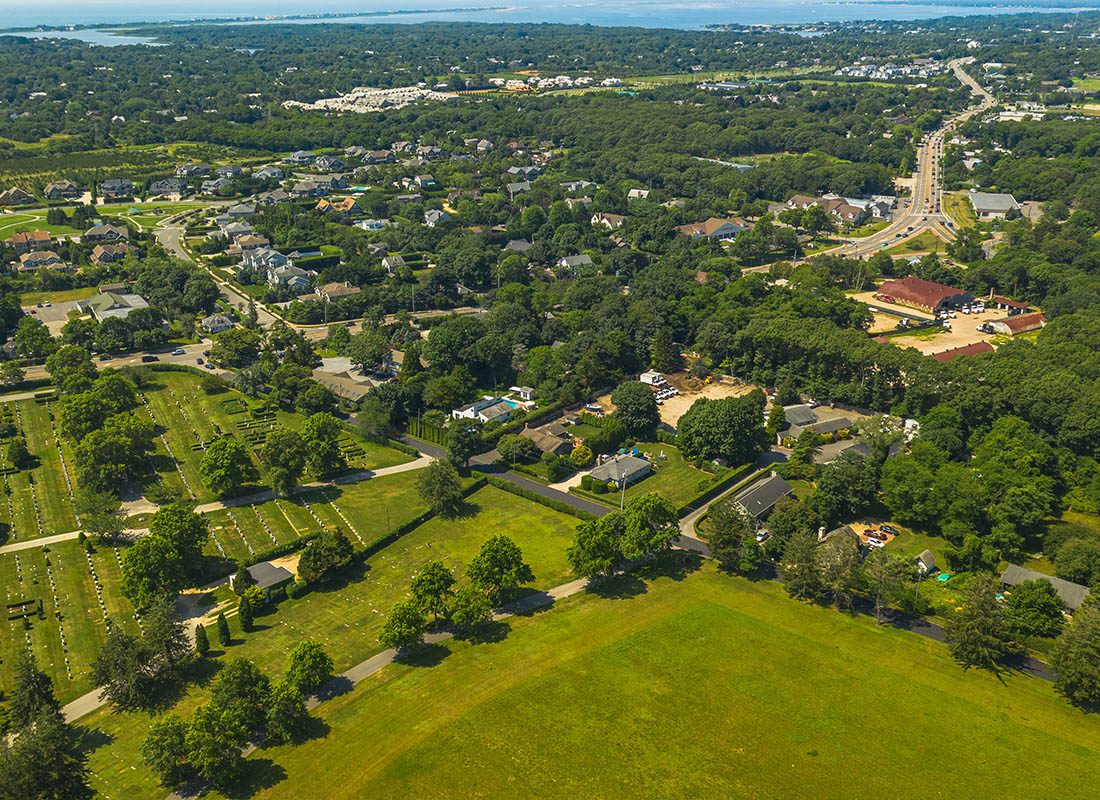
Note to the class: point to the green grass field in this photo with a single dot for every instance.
(72, 626)
(63, 296)
(672, 478)
(703, 687)
(958, 208)
(923, 242)
(1087, 84)
(34, 220)
(189, 417)
(347, 618)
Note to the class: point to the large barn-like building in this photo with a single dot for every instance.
(922, 294)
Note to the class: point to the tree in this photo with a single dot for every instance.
(121, 670)
(636, 408)
(845, 488)
(663, 353)
(163, 638)
(235, 348)
(18, 453)
(838, 560)
(32, 338)
(499, 567)
(977, 632)
(11, 374)
(884, 575)
(801, 572)
(309, 667)
(595, 552)
(321, 435)
(325, 556)
(777, 421)
(284, 457)
(202, 641)
(71, 369)
(732, 538)
(404, 627)
(1076, 658)
(804, 448)
(513, 447)
(165, 750)
(242, 579)
(440, 487)
(1078, 560)
(98, 512)
(226, 466)
(244, 613)
(44, 762)
(470, 609)
(1033, 608)
(241, 688)
(464, 440)
(214, 739)
(222, 626)
(32, 696)
(163, 561)
(287, 716)
(731, 428)
(432, 587)
(581, 456)
(650, 526)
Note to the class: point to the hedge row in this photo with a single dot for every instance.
(284, 549)
(405, 527)
(535, 497)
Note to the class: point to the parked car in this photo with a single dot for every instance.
(886, 528)
(179, 351)
(147, 359)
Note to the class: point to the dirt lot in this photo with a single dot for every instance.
(690, 391)
(882, 323)
(963, 333)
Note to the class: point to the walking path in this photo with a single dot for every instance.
(145, 507)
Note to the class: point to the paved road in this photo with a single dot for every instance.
(924, 210)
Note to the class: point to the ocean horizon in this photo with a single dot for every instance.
(694, 14)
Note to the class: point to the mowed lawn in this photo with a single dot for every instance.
(707, 686)
(73, 624)
(190, 419)
(673, 477)
(347, 618)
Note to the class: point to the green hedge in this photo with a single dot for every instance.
(535, 497)
(281, 550)
(429, 433)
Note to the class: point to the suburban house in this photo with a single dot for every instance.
(989, 205)
(429, 152)
(622, 470)
(251, 241)
(714, 228)
(300, 159)
(609, 221)
(380, 157)
(334, 291)
(105, 233)
(40, 259)
(240, 211)
(15, 197)
(517, 246)
(552, 438)
(195, 170)
(922, 294)
(307, 188)
(29, 241)
(328, 164)
(1072, 594)
(573, 202)
(433, 217)
(111, 253)
(487, 409)
(114, 188)
(269, 173)
(273, 198)
(167, 186)
(261, 259)
(345, 206)
(1020, 323)
(577, 186)
(109, 305)
(230, 171)
(216, 323)
(637, 194)
(61, 190)
(392, 263)
(215, 185)
(759, 499)
(290, 277)
(824, 427)
(517, 188)
(573, 263)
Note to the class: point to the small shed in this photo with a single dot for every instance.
(268, 576)
(926, 563)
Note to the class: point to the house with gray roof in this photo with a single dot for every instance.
(989, 205)
(626, 469)
(759, 499)
(112, 304)
(1072, 594)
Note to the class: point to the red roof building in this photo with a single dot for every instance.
(1020, 323)
(922, 294)
(976, 349)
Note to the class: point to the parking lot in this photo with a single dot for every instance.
(55, 316)
(963, 332)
